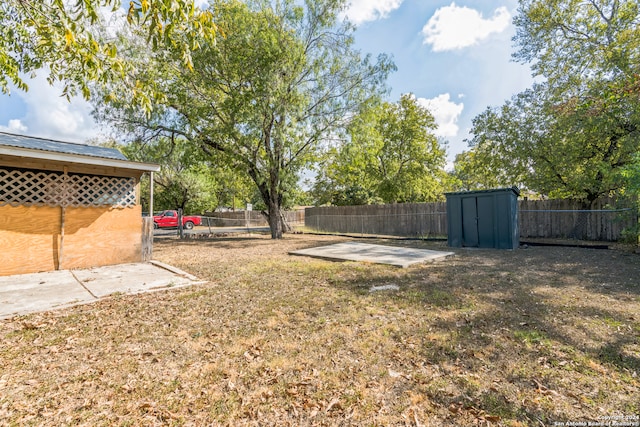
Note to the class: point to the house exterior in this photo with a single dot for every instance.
(67, 206)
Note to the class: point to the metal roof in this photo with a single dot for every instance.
(513, 189)
(19, 146)
(30, 142)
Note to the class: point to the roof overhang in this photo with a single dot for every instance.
(78, 159)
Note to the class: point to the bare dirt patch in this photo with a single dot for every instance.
(526, 337)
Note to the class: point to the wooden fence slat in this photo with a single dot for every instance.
(536, 218)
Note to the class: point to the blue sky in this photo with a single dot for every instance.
(455, 57)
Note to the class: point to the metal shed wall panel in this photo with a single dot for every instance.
(483, 219)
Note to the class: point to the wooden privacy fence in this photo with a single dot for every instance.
(248, 218)
(570, 219)
(401, 219)
(537, 218)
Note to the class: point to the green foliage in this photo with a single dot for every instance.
(69, 39)
(573, 135)
(481, 169)
(558, 148)
(631, 174)
(186, 180)
(234, 189)
(567, 40)
(391, 156)
(281, 80)
(631, 195)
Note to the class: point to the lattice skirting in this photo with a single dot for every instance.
(37, 188)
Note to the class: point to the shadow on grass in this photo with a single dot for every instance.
(531, 318)
(232, 242)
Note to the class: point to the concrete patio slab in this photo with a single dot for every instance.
(29, 293)
(379, 254)
(129, 279)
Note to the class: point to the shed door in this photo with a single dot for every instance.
(469, 222)
(486, 229)
(477, 222)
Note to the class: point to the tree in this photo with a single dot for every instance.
(235, 189)
(481, 169)
(68, 39)
(185, 181)
(566, 41)
(265, 96)
(574, 134)
(632, 193)
(391, 156)
(532, 142)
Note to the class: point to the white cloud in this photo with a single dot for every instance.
(51, 116)
(452, 27)
(360, 11)
(446, 113)
(14, 126)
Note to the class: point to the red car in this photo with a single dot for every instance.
(170, 219)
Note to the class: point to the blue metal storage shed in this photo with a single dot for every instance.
(483, 219)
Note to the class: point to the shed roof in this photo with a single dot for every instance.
(513, 190)
(21, 141)
(59, 152)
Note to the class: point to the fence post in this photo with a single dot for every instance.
(180, 227)
(147, 239)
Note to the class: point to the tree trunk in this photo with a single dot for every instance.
(273, 199)
(275, 218)
(286, 227)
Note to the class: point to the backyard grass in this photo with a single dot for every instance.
(531, 337)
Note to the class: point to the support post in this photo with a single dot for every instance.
(63, 211)
(151, 195)
(147, 239)
(61, 246)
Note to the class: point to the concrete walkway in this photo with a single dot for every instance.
(29, 293)
(379, 254)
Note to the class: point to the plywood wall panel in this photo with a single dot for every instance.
(29, 239)
(101, 236)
